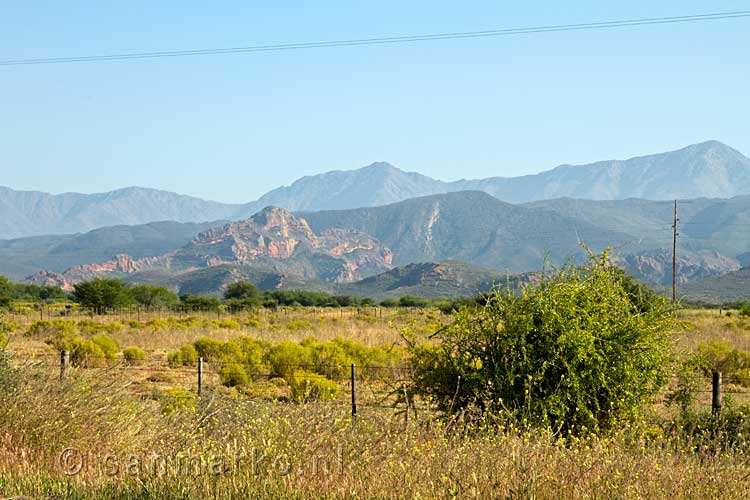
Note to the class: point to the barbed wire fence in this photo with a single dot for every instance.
(26, 315)
(367, 386)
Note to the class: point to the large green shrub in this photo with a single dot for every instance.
(286, 357)
(574, 353)
(233, 374)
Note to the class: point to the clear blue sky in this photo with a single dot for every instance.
(230, 127)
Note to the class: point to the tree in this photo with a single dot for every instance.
(189, 302)
(242, 290)
(154, 297)
(575, 354)
(103, 294)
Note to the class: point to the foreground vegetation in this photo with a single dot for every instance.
(582, 387)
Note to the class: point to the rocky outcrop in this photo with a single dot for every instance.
(273, 238)
(338, 255)
(51, 278)
(655, 267)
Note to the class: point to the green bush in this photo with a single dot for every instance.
(253, 352)
(86, 354)
(45, 329)
(107, 344)
(745, 310)
(306, 386)
(720, 355)
(233, 374)
(216, 350)
(227, 324)
(185, 356)
(706, 431)
(134, 355)
(286, 357)
(574, 354)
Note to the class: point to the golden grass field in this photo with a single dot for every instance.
(126, 432)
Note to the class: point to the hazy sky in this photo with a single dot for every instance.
(230, 127)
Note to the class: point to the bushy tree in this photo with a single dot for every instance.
(103, 294)
(575, 353)
(242, 290)
(154, 297)
(189, 302)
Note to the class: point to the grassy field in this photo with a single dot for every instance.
(138, 430)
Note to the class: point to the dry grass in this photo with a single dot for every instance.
(275, 450)
(255, 448)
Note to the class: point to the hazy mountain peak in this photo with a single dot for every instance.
(709, 169)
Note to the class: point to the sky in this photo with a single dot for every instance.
(231, 127)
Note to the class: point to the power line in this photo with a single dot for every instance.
(385, 40)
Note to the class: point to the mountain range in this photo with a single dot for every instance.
(380, 231)
(335, 250)
(710, 169)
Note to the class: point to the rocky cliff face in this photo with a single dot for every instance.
(274, 234)
(273, 238)
(51, 278)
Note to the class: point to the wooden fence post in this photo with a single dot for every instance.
(200, 375)
(64, 362)
(354, 392)
(716, 393)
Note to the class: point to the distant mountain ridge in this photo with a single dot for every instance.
(32, 213)
(710, 169)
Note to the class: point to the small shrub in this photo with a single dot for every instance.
(308, 386)
(189, 355)
(134, 355)
(185, 356)
(233, 374)
(227, 324)
(107, 344)
(92, 327)
(158, 324)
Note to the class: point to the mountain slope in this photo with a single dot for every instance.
(25, 256)
(730, 287)
(471, 227)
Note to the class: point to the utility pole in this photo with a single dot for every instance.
(674, 255)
